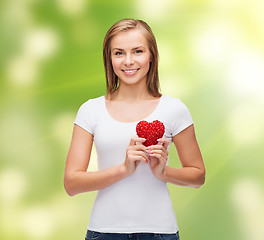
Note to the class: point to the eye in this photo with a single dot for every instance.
(138, 51)
(118, 53)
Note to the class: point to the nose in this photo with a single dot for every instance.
(129, 60)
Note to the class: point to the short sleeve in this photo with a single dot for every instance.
(85, 117)
(181, 118)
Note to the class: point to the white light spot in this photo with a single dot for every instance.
(246, 124)
(167, 59)
(154, 9)
(174, 85)
(247, 197)
(171, 83)
(17, 13)
(225, 4)
(41, 43)
(214, 42)
(22, 71)
(72, 8)
(38, 45)
(13, 185)
(245, 74)
(38, 222)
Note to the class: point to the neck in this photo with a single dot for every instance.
(131, 93)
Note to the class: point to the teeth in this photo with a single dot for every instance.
(130, 71)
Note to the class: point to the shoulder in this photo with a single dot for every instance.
(92, 103)
(91, 107)
(177, 115)
(88, 114)
(174, 104)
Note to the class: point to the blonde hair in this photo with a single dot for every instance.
(124, 25)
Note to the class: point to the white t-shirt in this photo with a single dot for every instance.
(139, 202)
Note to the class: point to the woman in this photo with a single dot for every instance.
(133, 200)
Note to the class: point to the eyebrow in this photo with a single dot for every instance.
(120, 49)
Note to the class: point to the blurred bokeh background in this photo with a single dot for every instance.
(211, 57)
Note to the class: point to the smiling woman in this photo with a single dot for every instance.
(133, 200)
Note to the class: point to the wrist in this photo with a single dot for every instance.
(124, 171)
(163, 175)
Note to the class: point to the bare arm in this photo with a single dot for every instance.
(77, 180)
(192, 173)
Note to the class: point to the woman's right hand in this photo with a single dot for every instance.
(135, 154)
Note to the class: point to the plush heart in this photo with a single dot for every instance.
(150, 131)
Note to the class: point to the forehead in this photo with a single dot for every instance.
(129, 39)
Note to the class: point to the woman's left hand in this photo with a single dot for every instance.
(158, 156)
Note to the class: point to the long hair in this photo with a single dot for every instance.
(124, 25)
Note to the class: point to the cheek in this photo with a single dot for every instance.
(146, 62)
(116, 62)
(115, 65)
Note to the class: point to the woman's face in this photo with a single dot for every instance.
(130, 56)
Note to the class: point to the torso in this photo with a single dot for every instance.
(131, 112)
(141, 191)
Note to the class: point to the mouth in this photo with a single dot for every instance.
(130, 71)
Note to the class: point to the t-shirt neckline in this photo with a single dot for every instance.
(132, 122)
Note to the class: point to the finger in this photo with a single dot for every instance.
(135, 139)
(138, 155)
(153, 162)
(142, 154)
(158, 154)
(140, 158)
(140, 147)
(159, 159)
(158, 151)
(157, 147)
(165, 142)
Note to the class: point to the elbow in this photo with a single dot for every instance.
(68, 187)
(200, 180)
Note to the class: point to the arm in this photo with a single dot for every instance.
(78, 180)
(192, 173)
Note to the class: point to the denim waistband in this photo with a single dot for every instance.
(93, 235)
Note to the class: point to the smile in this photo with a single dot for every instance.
(130, 70)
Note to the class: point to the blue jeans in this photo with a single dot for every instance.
(91, 235)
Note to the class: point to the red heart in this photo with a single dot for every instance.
(150, 131)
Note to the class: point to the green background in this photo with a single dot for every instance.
(211, 57)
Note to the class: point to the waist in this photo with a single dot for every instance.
(136, 208)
